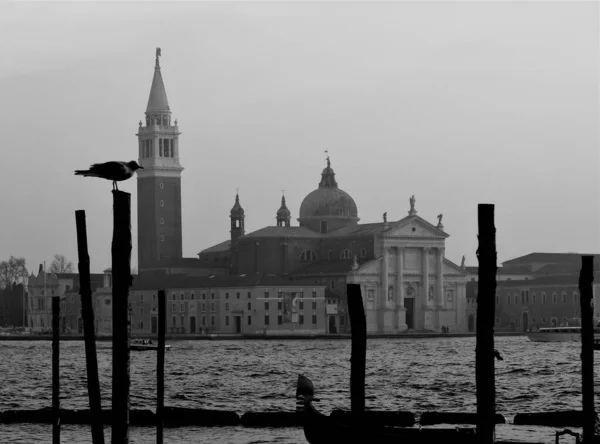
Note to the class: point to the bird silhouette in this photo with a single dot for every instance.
(115, 171)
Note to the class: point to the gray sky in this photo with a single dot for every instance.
(458, 103)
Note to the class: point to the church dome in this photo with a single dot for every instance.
(328, 202)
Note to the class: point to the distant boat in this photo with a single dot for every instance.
(560, 334)
(144, 345)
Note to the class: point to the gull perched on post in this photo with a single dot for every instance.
(115, 171)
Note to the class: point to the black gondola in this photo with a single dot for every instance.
(322, 429)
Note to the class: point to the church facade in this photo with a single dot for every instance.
(405, 278)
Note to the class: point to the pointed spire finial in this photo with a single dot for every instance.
(157, 56)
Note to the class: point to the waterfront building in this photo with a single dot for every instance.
(12, 305)
(43, 287)
(546, 295)
(244, 304)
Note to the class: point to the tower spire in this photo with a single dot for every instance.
(157, 102)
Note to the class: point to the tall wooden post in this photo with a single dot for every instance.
(87, 308)
(358, 324)
(484, 350)
(121, 272)
(586, 277)
(55, 370)
(160, 365)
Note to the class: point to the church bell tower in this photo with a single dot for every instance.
(159, 183)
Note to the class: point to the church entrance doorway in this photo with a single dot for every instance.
(409, 304)
(332, 328)
(238, 324)
(192, 324)
(525, 322)
(471, 323)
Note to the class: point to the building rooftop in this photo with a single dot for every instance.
(170, 281)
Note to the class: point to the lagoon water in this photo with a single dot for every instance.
(260, 375)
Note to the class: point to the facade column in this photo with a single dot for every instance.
(425, 284)
(400, 311)
(399, 277)
(439, 293)
(383, 302)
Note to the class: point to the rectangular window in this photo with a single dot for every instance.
(181, 297)
(249, 295)
(141, 310)
(564, 298)
(301, 305)
(314, 318)
(160, 147)
(203, 306)
(203, 320)
(212, 320)
(279, 319)
(249, 320)
(172, 143)
(142, 298)
(212, 306)
(193, 297)
(212, 295)
(181, 308)
(237, 295)
(226, 320)
(226, 305)
(182, 321)
(266, 319)
(301, 319)
(173, 307)
(266, 305)
(166, 144)
(314, 304)
(226, 295)
(279, 305)
(249, 305)
(141, 325)
(174, 321)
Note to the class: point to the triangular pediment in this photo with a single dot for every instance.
(371, 267)
(451, 268)
(414, 226)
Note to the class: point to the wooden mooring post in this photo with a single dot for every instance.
(55, 370)
(358, 325)
(121, 273)
(484, 350)
(160, 366)
(89, 333)
(586, 278)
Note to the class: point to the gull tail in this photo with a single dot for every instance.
(85, 173)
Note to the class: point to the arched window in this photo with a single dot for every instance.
(308, 256)
(346, 254)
